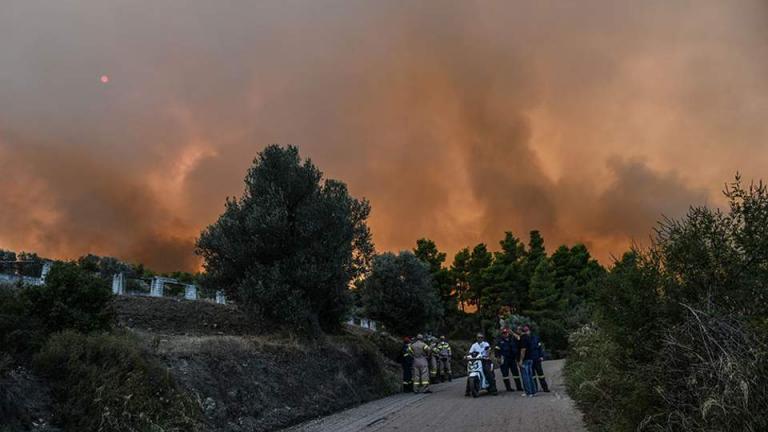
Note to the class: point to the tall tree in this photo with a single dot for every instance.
(399, 293)
(535, 253)
(479, 261)
(426, 250)
(503, 277)
(547, 306)
(290, 246)
(460, 276)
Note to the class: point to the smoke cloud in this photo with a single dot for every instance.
(459, 120)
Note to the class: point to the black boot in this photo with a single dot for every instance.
(544, 386)
(507, 385)
(450, 377)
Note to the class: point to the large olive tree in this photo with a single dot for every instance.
(290, 246)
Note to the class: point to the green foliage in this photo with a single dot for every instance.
(105, 267)
(555, 291)
(21, 333)
(460, 325)
(290, 246)
(442, 280)
(460, 276)
(479, 261)
(399, 293)
(545, 299)
(7, 258)
(612, 395)
(111, 383)
(502, 279)
(23, 263)
(71, 298)
(680, 327)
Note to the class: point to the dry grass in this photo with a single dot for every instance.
(715, 377)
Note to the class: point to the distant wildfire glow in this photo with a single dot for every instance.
(459, 120)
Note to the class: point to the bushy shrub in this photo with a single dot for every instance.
(71, 298)
(399, 293)
(461, 325)
(680, 344)
(21, 333)
(715, 377)
(109, 382)
(612, 395)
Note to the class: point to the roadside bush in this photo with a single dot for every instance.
(715, 377)
(71, 298)
(612, 394)
(680, 342)
(21, 334)
(110, 382)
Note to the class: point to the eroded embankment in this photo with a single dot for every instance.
(246, 381)
(235, 378)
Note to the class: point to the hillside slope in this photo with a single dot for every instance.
(244, 381)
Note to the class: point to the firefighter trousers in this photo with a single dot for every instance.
(420, 374)
(538, 369)
(510, 365)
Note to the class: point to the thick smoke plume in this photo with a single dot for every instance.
(459, 120)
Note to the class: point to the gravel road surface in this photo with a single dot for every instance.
(447, 410)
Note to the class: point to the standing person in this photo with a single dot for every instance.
(433, 359)
(538, 360)
(483, 349)
(506, 352)
(444, 355)
(420, 351)
(406, 360)
(526, 362)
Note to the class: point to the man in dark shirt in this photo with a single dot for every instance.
(526, 362)
(538, 360)
(506, 352)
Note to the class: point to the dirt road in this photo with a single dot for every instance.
(447, 410)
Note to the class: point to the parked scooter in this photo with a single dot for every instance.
(476, 379)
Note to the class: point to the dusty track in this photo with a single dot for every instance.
(447, 410)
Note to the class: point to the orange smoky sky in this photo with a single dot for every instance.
(458, 120)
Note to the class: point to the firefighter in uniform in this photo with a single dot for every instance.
(506, 352)
(419, 350)
(444, 359)
(433, 360)
(538, 359)
(406, 360)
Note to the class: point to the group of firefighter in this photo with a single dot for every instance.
(518, 352)
(425, 360)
